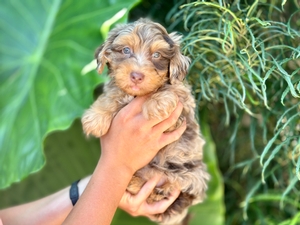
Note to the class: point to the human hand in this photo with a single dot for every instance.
(136, 205)
(132, 141)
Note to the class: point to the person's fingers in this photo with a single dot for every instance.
(171, 120)
(134, 107)
(169, 137)
(135, 204)
(146, 190)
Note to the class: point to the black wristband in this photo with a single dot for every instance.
(74, 194)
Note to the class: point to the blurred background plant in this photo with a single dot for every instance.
(245, 76)
(246, 73)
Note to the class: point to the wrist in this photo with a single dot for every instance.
(77, 189)
(73, 193)
(117, 167)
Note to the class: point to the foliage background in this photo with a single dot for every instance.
(246, 73)
(245, 76)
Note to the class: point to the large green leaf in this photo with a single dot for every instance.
(43, 47)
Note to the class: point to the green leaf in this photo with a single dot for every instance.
(43, 46)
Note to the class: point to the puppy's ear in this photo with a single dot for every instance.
(179, 63)
(102, 53)
(100, 57)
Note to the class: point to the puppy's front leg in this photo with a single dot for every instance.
(97, 119)
(160, 105)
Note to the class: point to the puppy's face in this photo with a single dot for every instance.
(139, 62)
(140, 57)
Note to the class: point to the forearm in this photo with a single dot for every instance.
(52, 209)
(102, 195)
(49, 210)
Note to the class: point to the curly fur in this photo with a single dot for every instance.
(143, 58)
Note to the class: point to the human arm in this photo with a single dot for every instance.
(50, 210)
(53, 209)
(124, 151)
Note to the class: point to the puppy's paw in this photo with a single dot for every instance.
(161, 192)
(135, 185)
(176, 125)
(95, 124)
(157, 194)
(160, 105)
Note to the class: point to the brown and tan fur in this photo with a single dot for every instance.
(143, 58)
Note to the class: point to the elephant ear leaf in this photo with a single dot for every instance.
(43, 47)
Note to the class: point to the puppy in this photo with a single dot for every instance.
(143, 58)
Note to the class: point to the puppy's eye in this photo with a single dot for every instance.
(126, 50)
(156, 55)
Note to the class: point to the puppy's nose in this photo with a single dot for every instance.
(136, 77)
